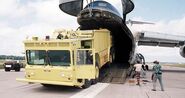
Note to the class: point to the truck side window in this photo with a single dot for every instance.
(87, 44)
(84, 57)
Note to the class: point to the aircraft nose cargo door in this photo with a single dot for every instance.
(85, 64)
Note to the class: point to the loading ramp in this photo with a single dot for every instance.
(113, 74)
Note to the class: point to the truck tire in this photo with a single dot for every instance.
(94, 81)
(7, 69)
(17, 69)
(87, 83)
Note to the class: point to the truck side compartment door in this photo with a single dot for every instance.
(85, 64)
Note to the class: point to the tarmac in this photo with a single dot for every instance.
(173, 80)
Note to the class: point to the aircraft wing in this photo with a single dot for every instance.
(137, 22)
(158, 39)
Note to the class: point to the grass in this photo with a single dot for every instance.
(1, 64)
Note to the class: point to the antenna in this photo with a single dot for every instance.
(131, 22)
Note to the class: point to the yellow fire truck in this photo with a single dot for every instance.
(71, 58)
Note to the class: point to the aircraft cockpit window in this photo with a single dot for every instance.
(104, 5)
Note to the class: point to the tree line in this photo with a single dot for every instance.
(4, 57)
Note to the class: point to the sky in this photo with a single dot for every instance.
(21, 19)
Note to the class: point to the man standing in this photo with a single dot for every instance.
(157, 74)
(138, 67)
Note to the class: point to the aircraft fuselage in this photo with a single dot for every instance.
(101, 14)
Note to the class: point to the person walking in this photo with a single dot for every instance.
(138, 67)
(157, 75)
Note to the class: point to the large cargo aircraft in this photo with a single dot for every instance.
(101, 14)
(79, 58)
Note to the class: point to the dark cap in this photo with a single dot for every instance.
(156, 62)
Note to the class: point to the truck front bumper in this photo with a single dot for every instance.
(48, 82)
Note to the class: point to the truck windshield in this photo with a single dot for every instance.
(59, 57)
(36, 57)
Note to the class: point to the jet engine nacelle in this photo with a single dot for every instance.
(182, 51)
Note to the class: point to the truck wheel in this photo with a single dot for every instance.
(17, 69)
(87, 83)
(94, 81)
(7, 69)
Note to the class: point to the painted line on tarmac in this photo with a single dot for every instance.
(92, 91)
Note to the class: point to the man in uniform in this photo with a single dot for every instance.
(157, 75)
